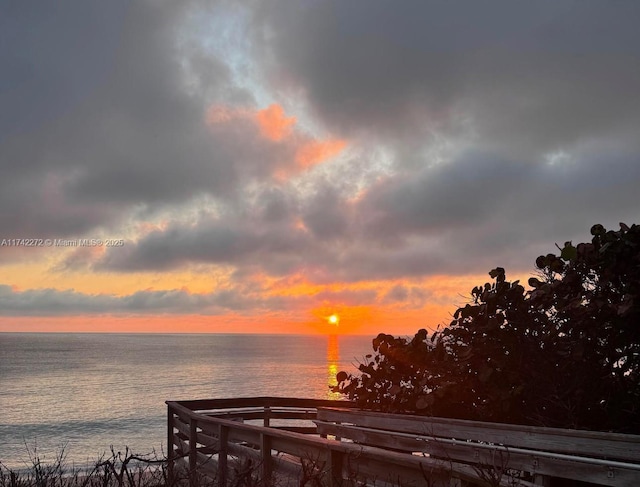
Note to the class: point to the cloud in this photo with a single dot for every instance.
(314, 152)
(239, 299)
(465, 217)
(110, 117)
(53, 302)
(271, 140)
(409, 297)
(262, 233)
(273, 122)
(528, 78)
(339, 142)
(397, 293)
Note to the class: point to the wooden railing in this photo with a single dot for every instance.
(601, 458)
(289, 441)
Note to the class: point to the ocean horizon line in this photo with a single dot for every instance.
(137, 333)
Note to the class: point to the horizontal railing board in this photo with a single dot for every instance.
(275, 409)
(241, 450)
(599, 471)
(306, 430)
(183, 447)
(237, 415)
(385, 439)
(207, 440)
(181, 435)
(309, 415)
(212, 430)
(260, 415)
(587, 443)
(265, 401)
(182, 415)
(182, 427)
(249, 436)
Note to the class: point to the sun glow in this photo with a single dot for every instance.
(334, 320)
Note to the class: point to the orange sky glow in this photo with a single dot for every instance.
(311, 305)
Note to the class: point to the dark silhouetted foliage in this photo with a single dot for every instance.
(565, 353)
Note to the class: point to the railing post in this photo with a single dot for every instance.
(265, 450)
(193, 452)
(266, 421)
(170, 443)
(543, 480)
(223, 435)
(336, 461)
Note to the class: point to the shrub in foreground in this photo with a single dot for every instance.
(117, 469)
(565, 353)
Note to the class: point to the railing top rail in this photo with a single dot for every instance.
(485, 424)
(262, 401)
(585, 443)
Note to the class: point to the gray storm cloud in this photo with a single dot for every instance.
(53, 302)
(534, 76)
(504, 129)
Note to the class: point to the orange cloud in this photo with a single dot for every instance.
(275, 126)
(317, 151)
(273, 123)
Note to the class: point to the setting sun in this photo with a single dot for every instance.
(334, 319)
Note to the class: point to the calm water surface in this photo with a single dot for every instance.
(87, 392)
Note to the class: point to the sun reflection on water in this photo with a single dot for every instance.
(333, 360)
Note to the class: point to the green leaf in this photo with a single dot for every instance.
(497, 273)
(534, 282)
(569, 252)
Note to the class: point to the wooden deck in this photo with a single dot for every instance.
(291, 441)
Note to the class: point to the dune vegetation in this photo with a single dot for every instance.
(564, 353)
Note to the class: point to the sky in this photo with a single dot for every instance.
(256, 167)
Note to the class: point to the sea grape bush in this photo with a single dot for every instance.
(564, 353)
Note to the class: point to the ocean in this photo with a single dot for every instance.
(88, 392)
